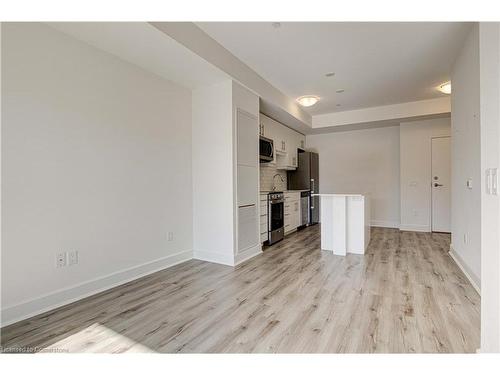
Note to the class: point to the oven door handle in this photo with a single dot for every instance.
(277, 201)
(246, 205)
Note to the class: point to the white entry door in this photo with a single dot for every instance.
(441, 184)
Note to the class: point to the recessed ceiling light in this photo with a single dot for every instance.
(276, 25)
(445, 88)
(308, 100)
(339, 91)
(330, 74)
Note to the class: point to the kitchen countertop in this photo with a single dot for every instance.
(337, 195)
(282, 191)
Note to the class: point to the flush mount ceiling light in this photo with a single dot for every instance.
(445, 88)
(308, 100)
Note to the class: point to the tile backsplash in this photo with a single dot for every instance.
(266, 178)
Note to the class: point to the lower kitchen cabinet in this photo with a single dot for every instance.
(263, 218)
(292, 211)
(247, 226)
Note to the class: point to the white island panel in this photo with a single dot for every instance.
(333, 235)
(345, 223)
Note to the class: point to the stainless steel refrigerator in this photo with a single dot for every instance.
(306, 177)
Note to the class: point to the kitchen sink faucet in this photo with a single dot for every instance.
(281, 178)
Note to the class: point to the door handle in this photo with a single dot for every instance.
(437, 185)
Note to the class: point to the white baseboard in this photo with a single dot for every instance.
(414, 228)
(465, 269)
(228, 259)
(50, 301)
(248, 254)
(209, 256)
(384, 224)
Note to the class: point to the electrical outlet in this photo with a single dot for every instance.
(466, 238)
(170, 236)
(72, 257)
(60, 260)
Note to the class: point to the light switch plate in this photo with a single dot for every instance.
(494, 181)
(72, 257)
(469, 183)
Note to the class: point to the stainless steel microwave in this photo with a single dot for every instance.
(266, 150)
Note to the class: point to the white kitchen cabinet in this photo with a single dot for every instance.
(297, 141)
(280, 137)
(247, 177)
(263, 218)
(286, 142)
(247, 190)
(247, 139)
(287, 155)
(247, 226)
(302, 142)
(292, 211)
(262, 129)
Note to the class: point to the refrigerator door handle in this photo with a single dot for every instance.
(312, 185)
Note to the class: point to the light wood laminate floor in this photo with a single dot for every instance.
(404, 295)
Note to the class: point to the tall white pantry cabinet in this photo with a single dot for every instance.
(225, 152)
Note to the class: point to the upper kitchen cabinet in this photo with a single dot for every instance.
(225, 154)
(286, 142)
(247, 138)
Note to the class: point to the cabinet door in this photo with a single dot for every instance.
(247, 129)
(247, 178)
(247, 185)
(279, 136)
(297, 143)
(296, 214)
(302, 142)
(248, 227)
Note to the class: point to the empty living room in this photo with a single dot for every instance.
(196, 178)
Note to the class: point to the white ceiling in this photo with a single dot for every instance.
(376, 63)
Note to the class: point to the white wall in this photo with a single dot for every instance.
(213, 173)
(489, 47)
(362, 161)
(466, 158)
(415, 177)
(96, 157)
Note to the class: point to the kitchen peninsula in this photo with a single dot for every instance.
(345, 223)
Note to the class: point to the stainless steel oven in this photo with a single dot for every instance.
(276, 201)
(266, 150)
